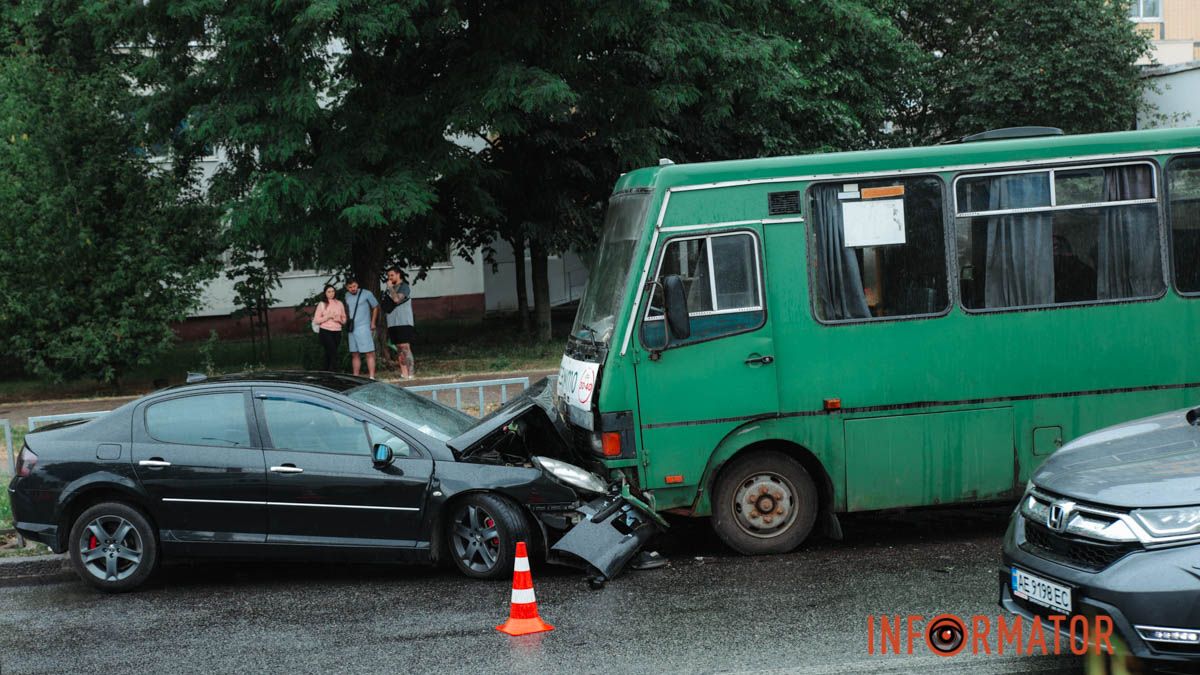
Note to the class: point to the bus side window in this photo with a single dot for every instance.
(1061, 235)
(1184, 190)
(879, 248)
(720, 274)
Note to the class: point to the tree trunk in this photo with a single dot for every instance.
(518, 245)
(541, 289)
(368, 255)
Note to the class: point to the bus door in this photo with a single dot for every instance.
(695, 390)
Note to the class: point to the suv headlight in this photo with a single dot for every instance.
(1170, 522)
(572, 475)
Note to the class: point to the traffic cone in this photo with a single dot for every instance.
(523, 616)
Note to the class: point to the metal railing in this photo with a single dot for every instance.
(8, 448)
(478, 385)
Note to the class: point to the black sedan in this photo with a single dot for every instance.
(304, 465)
(1110, 526)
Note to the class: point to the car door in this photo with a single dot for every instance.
(322, 485)
(197, 455)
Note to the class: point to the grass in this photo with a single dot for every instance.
(440, 348)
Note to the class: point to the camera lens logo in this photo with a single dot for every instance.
(945, 634)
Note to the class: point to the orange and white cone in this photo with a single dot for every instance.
(523, 616)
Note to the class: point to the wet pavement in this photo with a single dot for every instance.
(708, 610)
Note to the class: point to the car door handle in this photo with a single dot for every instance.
(764, 360)
(287, 468)
(154, 463)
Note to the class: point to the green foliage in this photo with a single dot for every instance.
(998, 63)
(100, 249)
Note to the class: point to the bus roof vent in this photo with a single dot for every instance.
(1011, 132)
(780, 203)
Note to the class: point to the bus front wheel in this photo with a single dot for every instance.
(764, 502)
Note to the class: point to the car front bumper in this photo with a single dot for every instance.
(1158, 588)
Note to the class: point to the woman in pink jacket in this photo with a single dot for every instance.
(329, 317)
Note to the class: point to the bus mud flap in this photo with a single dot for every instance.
(611, 533)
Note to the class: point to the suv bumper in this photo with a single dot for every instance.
(1144, 588)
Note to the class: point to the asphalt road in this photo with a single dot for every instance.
(709, 610)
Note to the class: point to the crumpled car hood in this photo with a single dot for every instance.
(1150, 462)
(538, 397)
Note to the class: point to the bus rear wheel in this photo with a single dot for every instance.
(764, 502)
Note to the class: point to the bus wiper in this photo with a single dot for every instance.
(590, 330)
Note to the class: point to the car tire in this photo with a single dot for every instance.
(113, 547)
(764, 502)
(482, 531)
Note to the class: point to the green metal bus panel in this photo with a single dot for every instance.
(956, 407)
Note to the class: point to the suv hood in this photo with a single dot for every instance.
(1151, 462)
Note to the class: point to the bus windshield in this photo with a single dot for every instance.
(610, 272)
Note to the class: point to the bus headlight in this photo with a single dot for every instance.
(572, 475)
(1170, 522)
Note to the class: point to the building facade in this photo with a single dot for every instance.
(1174, 28)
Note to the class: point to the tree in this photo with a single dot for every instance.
(334, 143)
(574, 93)
(101, 249)
(991, 64)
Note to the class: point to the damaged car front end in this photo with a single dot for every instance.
(585, 520)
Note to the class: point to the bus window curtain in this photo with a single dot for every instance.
(1020, 247)
(839, 281)
(1127, 256)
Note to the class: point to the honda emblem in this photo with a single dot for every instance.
(1059, 515)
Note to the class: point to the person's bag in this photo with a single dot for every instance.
(350, 317)
(386, 303)
(315, 327)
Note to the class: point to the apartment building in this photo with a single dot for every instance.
(1174, 27)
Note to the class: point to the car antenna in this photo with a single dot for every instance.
(193, 378)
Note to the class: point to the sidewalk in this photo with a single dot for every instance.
(18, 413)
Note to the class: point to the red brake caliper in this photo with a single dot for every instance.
(92, 542)
(490, 524)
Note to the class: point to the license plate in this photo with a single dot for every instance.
(1040, 590)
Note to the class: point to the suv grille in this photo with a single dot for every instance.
(1081, 553)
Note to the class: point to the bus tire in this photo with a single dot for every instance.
(764, 502)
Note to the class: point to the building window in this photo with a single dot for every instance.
(880, 249)
(1145, 10)
(1058, 236)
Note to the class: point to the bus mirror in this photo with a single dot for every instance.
(675, 307)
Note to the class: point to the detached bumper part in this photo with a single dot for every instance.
(611, 533)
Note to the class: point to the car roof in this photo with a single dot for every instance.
(337, 382)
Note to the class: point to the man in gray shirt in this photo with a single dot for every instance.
(400, 320)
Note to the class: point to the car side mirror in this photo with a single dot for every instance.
(382, 455)
(675, 307)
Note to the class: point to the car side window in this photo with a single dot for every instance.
(308, 426)
(380, 435)
(217, 420)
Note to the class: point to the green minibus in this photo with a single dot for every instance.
(772, 342)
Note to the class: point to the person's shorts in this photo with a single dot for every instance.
(362, 342)
(401, 335)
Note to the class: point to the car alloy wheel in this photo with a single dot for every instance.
(475, 539)
(110, 548)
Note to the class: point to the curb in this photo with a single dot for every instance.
(34, 569)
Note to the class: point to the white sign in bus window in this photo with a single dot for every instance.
(877, 222)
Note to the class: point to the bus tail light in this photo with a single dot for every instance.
(611, 443)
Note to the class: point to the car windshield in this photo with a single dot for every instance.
(414, 410)
(609, 275)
